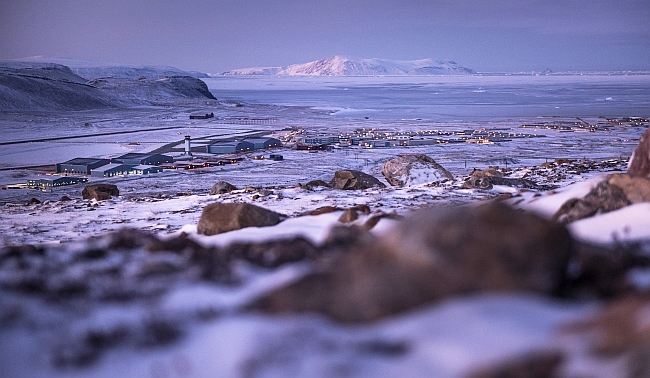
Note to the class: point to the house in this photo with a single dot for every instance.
(54, 182)
(113, 169)
(264, 143)
(135, 158)
(230, 147)
(82, 166)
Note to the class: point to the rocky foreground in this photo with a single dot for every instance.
(498, 289)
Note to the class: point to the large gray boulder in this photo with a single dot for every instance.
(348, 179)
(100, 192)
(222, 187)
(217, 218)
(414, 169)
(435, 254)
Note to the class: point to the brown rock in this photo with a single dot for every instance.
(604, 198)
(349, 215)
(33, 201)
(65, 198)
(432, 255)
(636, 189)
(100, 192)
(222, 187)
(223, 217)
(542, 364)
(322, 210)
(640, 161)
(315, 183)
(348, 179)
(621, 329)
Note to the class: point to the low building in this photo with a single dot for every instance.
(202, 116)
(145, 169)
(83, 166)
(230, 147)
(54, 182)
(113, 169)
(264, 143)
(313, 147)
(328, 139)
(136, 158)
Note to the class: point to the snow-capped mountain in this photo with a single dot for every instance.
(342, 66)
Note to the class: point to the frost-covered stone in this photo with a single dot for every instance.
(222, 187)
(410, 170)
(217, 218)
(348, 179)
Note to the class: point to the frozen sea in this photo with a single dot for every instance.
(448, 98)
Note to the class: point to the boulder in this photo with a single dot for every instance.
(222, 187)
(217, 218)
(416, 169)
(488, 178)
(616, 192)
(434, 254)
(636, 189)
(348, 216)
(100, 192)
(601, 199)
(539, 364)
(347, 179)
(640, 161)
(315, 183)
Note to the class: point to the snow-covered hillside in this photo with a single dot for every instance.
(47, 86)
(343, 66)
(89, 69)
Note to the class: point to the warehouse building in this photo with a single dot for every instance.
(54, 182)
(264, 143)
(82, 166)
(230, 147)
(135, 158)
(145, 169)
(110, 170)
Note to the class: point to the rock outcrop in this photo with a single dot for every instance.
(640, 162)
(432, 255)
(415, 169)
(222, 187)
(100, 192)
(616, 192)
(347, 179)
(217, 218)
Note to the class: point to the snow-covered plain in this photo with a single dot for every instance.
(447, 339)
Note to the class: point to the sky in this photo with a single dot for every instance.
(216, 35)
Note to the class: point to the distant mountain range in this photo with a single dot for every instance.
(342, 66)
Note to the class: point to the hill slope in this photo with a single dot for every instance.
(51, 86)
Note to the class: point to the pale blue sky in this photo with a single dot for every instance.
(214, 36)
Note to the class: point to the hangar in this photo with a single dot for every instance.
(230, 147)
(135, 158)
(82, 166)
